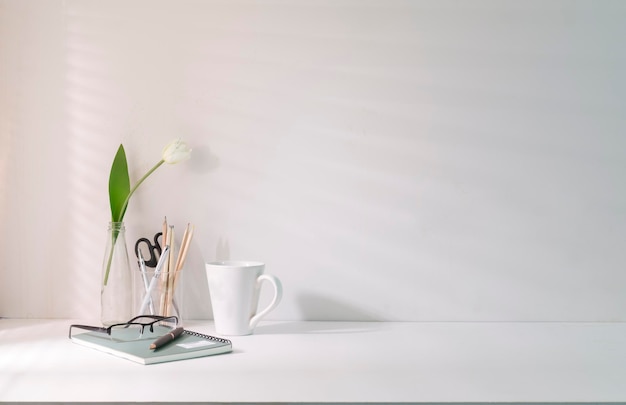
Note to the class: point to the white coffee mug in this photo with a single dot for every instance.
(234, 287)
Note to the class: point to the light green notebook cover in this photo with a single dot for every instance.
(189, 345)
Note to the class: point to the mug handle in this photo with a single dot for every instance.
(278, 294)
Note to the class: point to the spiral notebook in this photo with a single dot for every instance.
(189, 345)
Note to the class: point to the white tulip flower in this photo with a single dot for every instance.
(176, 151)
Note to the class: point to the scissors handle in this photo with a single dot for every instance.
(154, 250)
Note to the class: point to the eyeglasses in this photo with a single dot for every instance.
(140, 327)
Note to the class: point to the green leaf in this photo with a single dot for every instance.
(119, 185)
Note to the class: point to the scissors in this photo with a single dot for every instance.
(153, 249)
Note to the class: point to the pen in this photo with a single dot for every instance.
(144, 277)
(157, 272)
(165, 339)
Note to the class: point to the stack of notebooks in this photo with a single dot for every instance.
(189, 345)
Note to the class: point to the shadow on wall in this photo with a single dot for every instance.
(317, 307)
(203, 160)
(326, 312)
(311, 306)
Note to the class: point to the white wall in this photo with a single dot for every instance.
(388, 160)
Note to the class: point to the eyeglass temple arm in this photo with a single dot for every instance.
(87, 327)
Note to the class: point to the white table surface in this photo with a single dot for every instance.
(332, 362)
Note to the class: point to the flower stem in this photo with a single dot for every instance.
(114, 235)
(132, 190)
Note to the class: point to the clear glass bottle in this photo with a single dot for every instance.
(116, 294)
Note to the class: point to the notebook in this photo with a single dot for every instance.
(189, 345)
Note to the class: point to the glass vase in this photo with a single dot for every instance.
(116, 294)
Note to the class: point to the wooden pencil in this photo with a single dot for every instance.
(182, 255)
